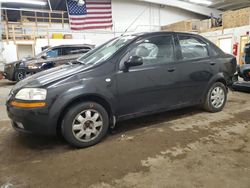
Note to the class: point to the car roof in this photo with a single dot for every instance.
(74, 45)
(162, 32)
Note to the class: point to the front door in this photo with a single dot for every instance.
(150, 86)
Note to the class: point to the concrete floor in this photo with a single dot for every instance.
(184, 148)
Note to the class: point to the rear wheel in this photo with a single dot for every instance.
(85, 124)
(216, 97)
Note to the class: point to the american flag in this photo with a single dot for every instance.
(90, 14)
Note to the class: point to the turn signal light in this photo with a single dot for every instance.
(28, 105)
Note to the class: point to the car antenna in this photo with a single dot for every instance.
(134, 21)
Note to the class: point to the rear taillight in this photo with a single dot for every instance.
(248, 74)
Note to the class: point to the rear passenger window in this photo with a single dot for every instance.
(192, 48)
(75, 50)
(68, 50)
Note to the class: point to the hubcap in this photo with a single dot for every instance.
(87, 125)
(20, 76)
(217, 97)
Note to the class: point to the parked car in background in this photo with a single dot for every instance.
(51, 57)
(127, 77)
(243, 71)
(246, 56)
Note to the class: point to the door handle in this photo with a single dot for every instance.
(212, 63)
(171, 69)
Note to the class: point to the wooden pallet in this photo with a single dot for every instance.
(187, 25)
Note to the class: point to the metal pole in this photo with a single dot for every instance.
(50, 6)
(135, 20)
(1, 41)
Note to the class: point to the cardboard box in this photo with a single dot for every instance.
(57, 36)
(237, 18)
(187, 25)
(68, 36)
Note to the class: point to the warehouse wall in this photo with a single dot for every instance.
(125, 12)
(150, 18)
(234, 34)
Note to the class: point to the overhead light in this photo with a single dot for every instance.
(31, 2)
(204, 2)
(80, 2)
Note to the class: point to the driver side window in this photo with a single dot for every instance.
(54, 52)
(155, 50)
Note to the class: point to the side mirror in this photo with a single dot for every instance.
(133, 61)
(44, 57)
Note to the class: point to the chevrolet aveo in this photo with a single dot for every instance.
(126, 77)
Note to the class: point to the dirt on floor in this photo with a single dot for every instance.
(182, 148)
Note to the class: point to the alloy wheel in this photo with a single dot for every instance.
(20, 76)
(217, 97)
(87, 125)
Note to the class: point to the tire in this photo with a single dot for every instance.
(216, 98)
(85, 124)
(20, 75)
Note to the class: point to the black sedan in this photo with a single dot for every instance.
(127, 77)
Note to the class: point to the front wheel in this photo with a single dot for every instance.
(216, 97)
(20, 75)
(85, 124)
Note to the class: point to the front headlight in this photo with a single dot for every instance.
(8, 66)
(33, 66)
(32, 94)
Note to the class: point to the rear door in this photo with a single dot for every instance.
(195, 66)
(67, 55)
(150, 86)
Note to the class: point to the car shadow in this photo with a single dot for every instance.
(152, 120)
(37, 142)
(4, 83)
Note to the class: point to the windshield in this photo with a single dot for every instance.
(106, 50)
(43, 53)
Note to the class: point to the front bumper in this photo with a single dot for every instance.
(9, 72)
(37, 121)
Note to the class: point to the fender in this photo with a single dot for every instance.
(221, 77)
(73, 93)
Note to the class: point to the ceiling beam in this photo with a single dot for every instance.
(191, 7)
(33, 10)
(50, 6)
(233, 5)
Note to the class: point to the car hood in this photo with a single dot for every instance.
(12, 63)
(37, 61)
(52, 75)
(20, 61)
